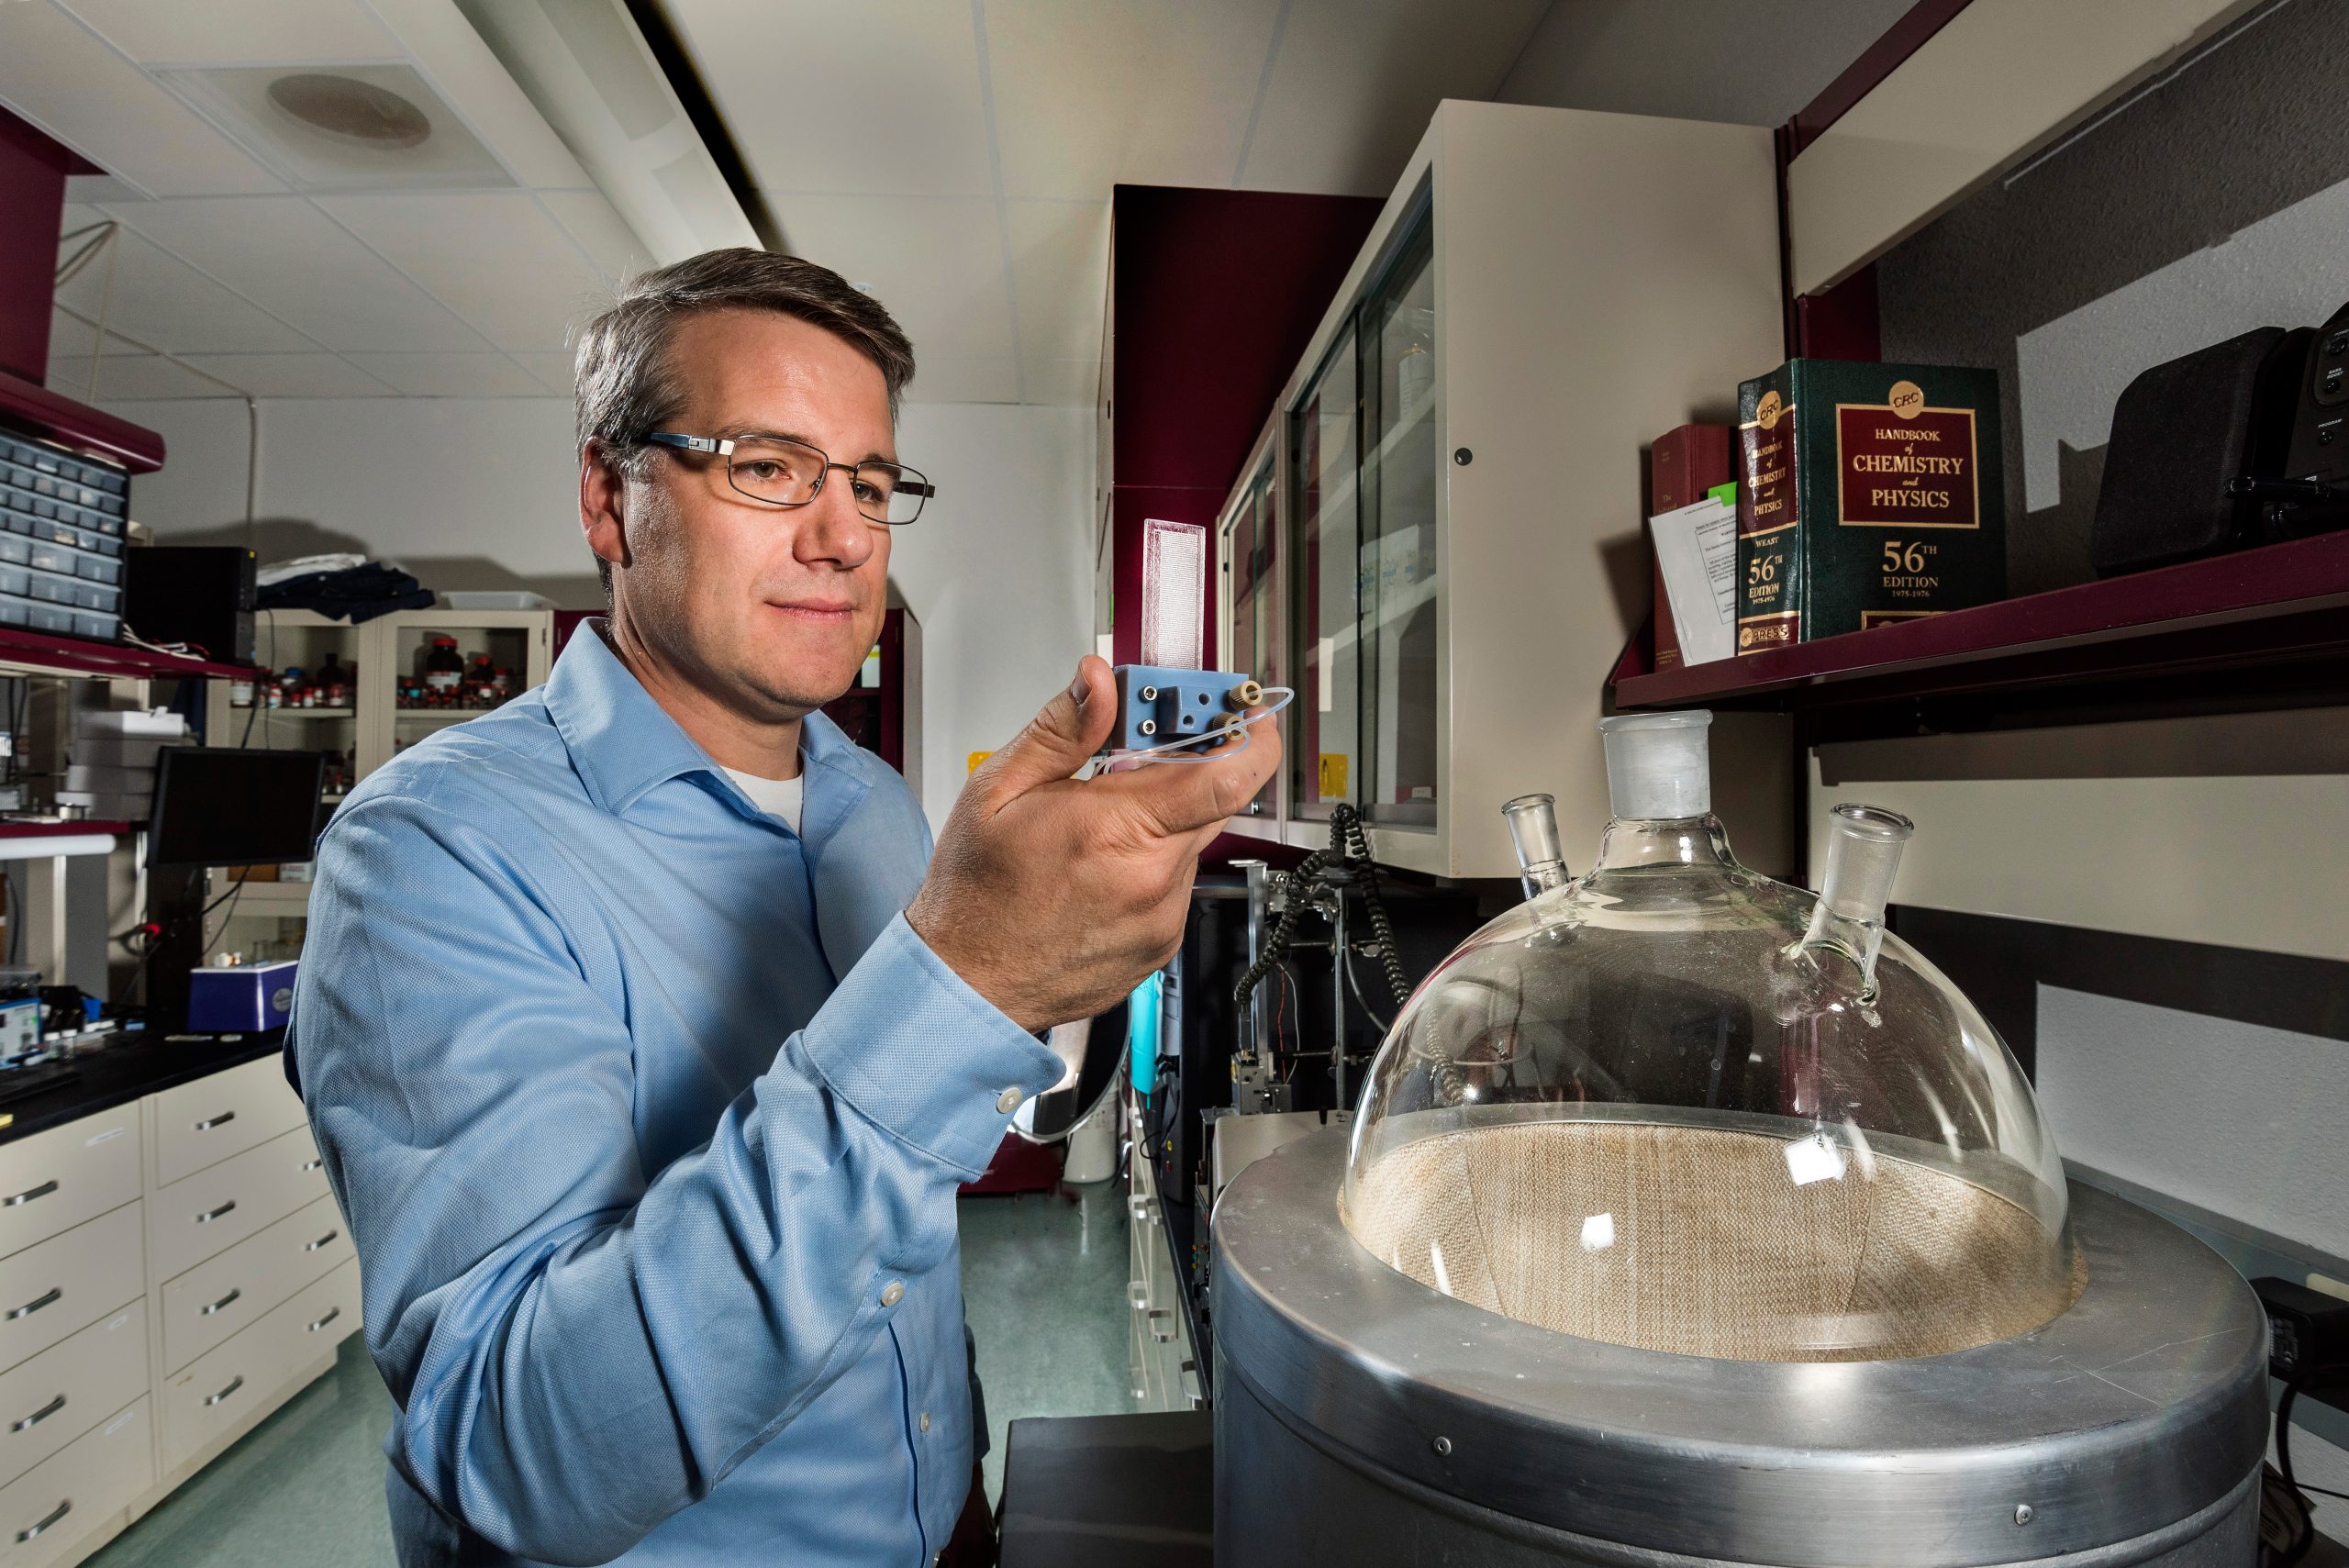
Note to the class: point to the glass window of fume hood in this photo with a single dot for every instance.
(1398, 591)
(1250, 541)
(1324, 757)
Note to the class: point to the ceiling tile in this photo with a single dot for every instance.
(881, 97)
(292, 376)
(69, 339)
(128, 377)
(555, 372)
(1059, 261)
(288, 255)
(238, 32)
(1356, 82)
(495, 258)
(168, 305)
(452, 375)
(1087, 96)
(937, 263)
(461, 67)
(62, 78)
(1067, 382)
(944, 379)
(600, 230)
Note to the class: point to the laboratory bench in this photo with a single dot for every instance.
(173, 1269)
(133, 1066)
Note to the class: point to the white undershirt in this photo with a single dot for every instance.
(776, 797)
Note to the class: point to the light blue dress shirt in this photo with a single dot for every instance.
(647, 1114)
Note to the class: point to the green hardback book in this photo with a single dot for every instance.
(1871, 492)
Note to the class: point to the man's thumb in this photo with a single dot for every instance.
(1058, 741)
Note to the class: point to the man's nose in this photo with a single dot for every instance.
(831, 531)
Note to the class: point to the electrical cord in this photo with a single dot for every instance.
(1349, 850)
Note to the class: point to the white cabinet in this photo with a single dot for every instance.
(1546, 290)
(178, 1271)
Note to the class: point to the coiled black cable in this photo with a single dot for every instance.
(1350, 851)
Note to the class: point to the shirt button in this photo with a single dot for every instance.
(1009, 1101)
(892, 1293)
(925, 1420)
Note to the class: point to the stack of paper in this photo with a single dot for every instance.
(111, 767)
(1696, 548)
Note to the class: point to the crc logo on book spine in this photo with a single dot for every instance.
(1767, 631)
(1906, 399)
(1766, 412)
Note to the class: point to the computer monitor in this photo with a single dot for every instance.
(221, 805)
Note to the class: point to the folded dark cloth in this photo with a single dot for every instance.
(355, 594)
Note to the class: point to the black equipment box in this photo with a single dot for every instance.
(200, 594)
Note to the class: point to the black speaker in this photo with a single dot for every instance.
(195, 593)
(2183, 433)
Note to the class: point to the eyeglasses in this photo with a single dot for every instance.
(792, 473)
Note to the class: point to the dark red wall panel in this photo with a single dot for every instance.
(1214, 296)
(32, 196)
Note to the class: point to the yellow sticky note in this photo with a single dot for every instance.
(1333, 775)
(976, 758)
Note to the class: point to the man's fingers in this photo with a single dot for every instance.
(1178, 798)
(1058, 741)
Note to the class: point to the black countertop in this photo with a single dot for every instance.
(138, 1064)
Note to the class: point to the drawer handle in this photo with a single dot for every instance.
(28, 1195)
(234, 1384)
(214, 1307)
(332, 1313)
(36, 1303)
(209, 1215)
(311, 1166)
(37, 1417)
(209, 1123)
(55, 1514)
(323, 1241)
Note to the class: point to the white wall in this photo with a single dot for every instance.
(480, 493)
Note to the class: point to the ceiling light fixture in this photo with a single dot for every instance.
(350, 110)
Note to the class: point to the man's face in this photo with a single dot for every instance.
(769, 610)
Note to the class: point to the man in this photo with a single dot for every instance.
(645, 1055)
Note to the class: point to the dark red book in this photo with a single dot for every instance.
(1682, 464)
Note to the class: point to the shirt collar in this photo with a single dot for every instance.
(623, 743)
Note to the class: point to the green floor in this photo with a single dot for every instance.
(1044, 1277)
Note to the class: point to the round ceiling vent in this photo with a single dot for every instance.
(355, 112)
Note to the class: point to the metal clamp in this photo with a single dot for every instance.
(332, 1313)
(55, 1514)
(209, 1123)
(209, 1215)
(234, 1384)
(28, 1195)
(37, 1417)
(321, 1241)
(36, 1303)
(209, 1309)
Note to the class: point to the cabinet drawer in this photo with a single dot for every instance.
(95, 1476)
(209, 1396)
(204, 1122)
(55, 1179)
(69, 1281)
(219, 1297)
(211, 1211)
(70, 1388)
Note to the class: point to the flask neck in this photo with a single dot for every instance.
(1642, 843)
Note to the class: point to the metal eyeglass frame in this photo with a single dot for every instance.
(910, 481)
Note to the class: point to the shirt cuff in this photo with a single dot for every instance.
(907, 1043)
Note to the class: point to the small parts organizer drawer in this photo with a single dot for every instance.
(219, 1207)
(216, 1298)
(68, 1282)
(204, 1122)
(55, 1179)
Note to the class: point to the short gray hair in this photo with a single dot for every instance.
(625, 386)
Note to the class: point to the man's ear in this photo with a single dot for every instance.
(603, 504)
